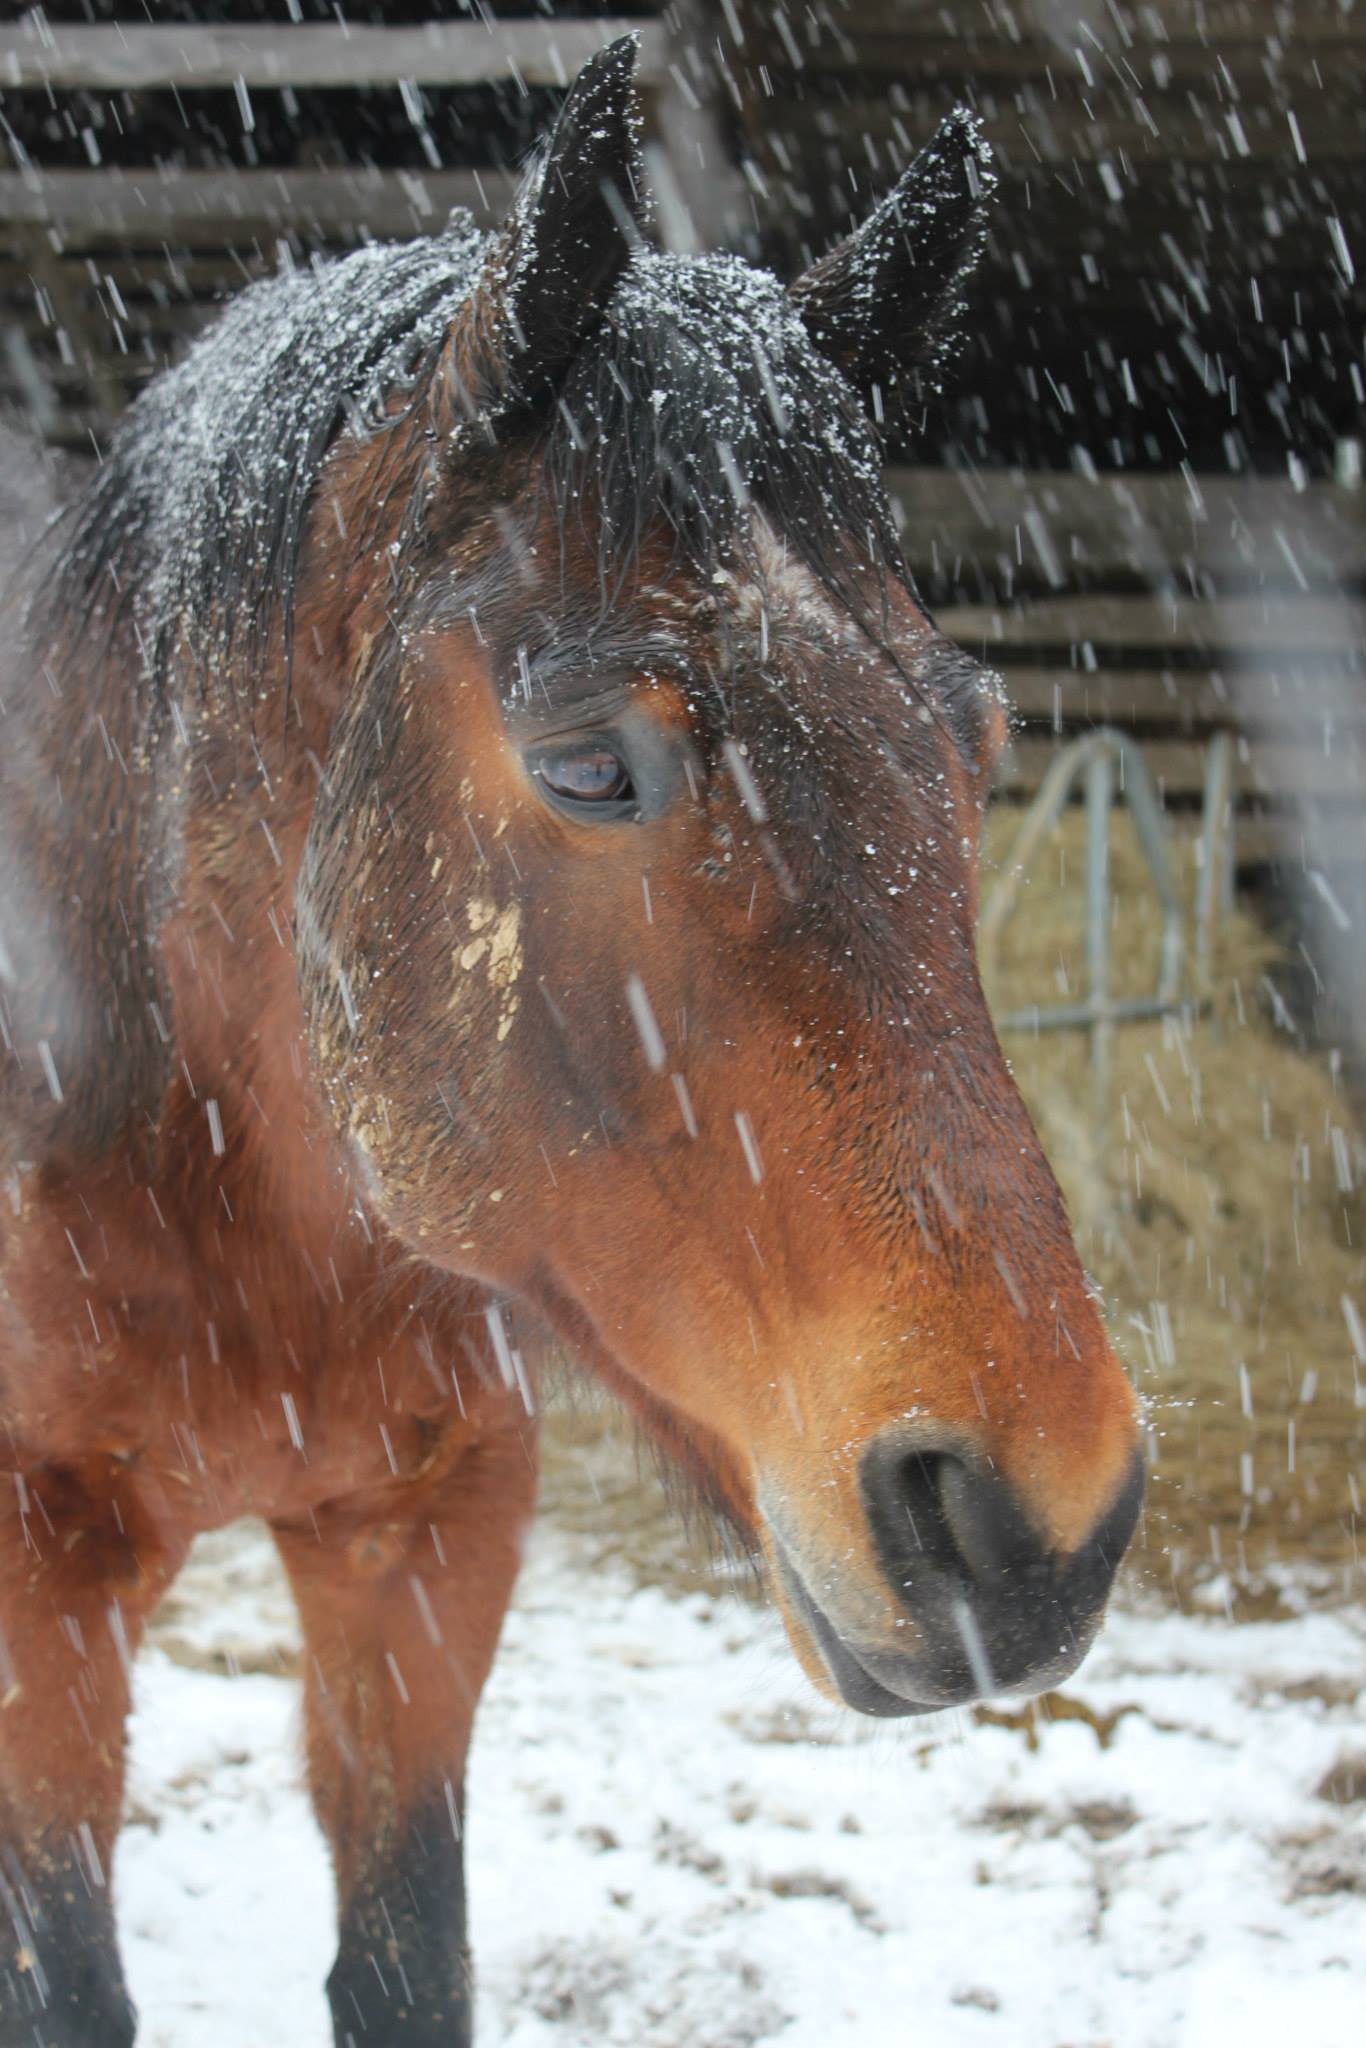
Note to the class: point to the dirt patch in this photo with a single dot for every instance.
(1345, 1784)
(817, 1884)
(1031, 1718)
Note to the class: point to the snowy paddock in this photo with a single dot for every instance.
(674, 1843)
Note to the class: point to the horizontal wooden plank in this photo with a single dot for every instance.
(1190, 701)
(1117, 31)
(1269, 773)
(1330, 837)
(1077, 263)
(1322, 836)
(1062, 527)
(144, 316)
(78, 429)
(89, 208)
(119, 378)
(1195, 197)
(1082, 129)
(149, 275)
(1236, 625)
(140, 55)
(920, 50)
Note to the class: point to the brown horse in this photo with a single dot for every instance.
(487, 824)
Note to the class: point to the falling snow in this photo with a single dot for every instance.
(673, 1843)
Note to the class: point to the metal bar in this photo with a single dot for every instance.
(1145, 808)
(139, 56)
(1075, 1016)
(1100, 778)
(1140, 791)
(1039, 820)
(1215, 863)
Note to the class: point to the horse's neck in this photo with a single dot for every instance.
(132, 840)
(149, 851)
(87, 833)
(252, 771)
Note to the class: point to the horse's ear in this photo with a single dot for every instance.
(885, 304)
(551, 270)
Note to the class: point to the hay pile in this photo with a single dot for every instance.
(1224, 1218)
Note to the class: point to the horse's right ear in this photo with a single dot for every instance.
(551, 270)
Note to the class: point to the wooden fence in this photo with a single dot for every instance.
(106, 268)
(1175, 608)
(1176, 244)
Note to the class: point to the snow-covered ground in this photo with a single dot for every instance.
(674, 1841)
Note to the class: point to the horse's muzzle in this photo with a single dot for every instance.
(989, 1607)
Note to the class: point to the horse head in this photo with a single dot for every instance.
(637, 918)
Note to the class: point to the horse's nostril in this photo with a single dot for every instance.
(933, 1511)
(915, 1498)
(904, 1492)
(985, 1522)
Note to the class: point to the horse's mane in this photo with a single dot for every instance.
(197, 515)
(699, 393)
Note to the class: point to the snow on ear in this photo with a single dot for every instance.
(886, 303)
(552, 268)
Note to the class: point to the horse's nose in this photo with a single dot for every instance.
(997, 1607)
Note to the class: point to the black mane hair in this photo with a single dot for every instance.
(699, 394)
(195, 520)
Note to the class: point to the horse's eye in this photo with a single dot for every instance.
(587, 775)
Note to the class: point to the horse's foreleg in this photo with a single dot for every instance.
(81, 1566)
(401, 1617)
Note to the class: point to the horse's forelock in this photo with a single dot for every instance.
(701, 397)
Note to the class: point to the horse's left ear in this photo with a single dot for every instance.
(551, 270)
(885, 304)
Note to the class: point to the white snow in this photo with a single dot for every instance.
(673, 1841)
